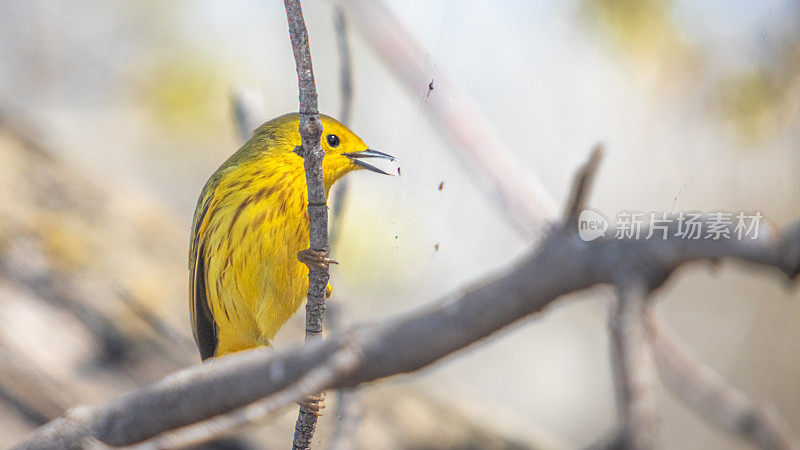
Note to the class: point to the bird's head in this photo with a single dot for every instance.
(344, 150)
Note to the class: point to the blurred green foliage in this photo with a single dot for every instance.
(749, 102)
(186, 95)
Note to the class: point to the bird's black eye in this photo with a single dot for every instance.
(333, 140)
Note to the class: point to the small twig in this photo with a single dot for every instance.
(706, 392)
(346, 90)
(581, 188)
(310, 133)
(345, 67)
(634, 373)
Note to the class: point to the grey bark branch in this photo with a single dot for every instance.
(580, 189)
(634, 373)
(562, 264)
(706, 392)
(310, 133)
(339, 364)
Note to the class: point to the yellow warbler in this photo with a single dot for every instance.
(251, 225)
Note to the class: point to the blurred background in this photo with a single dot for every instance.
(113, 115)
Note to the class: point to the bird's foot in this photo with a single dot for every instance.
(313, 404)
(315, 258)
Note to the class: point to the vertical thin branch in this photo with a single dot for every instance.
(349, 409)
(634, 371)
(346, 89)
(310, 132)
(349, 412)
(345, 67)
(348, 402)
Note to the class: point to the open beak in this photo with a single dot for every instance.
(368, 153)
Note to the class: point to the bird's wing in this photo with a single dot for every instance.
(204, 327)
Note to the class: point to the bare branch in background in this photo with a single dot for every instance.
(707, 393)
(310, 133)
(349, 408)
(561, 264)
(345, 67)
(348, 401)
(346, 90)
(581, 186)
(522, 196)
(634, 373)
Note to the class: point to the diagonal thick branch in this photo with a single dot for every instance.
(562, 264)
(340, 364)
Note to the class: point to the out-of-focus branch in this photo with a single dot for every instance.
(345, 67)
(634, 374)
(562, 264)
(346, 90)
(348, 401)
(581, 186)
(310, 133)
(349, 408)
(707, 393)
(521, 195)
(349, 413)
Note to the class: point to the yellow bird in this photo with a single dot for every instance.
(251, 225)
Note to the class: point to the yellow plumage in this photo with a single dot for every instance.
(251, 221)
